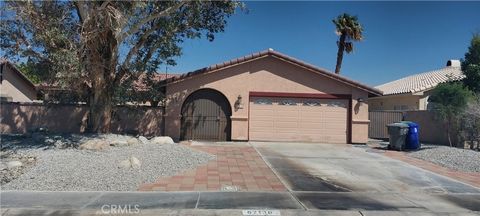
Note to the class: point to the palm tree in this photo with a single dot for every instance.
(349, 30)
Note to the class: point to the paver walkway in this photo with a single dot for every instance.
(238, 166)
(466, 177)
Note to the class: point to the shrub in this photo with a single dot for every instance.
(470, 124)
(450, 100)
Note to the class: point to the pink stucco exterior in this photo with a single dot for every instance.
(268, 73)
(15, 86)
(21, 118)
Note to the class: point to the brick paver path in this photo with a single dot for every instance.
(467, 177)
(239, 166)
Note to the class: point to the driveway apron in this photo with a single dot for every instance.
(346, 177)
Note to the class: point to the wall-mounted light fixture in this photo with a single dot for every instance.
(239, 103)
(360, 101)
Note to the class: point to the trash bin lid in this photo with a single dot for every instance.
(398, 124)
(410, 124)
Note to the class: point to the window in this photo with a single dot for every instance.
(263, 101)
(6, 99)
(311, 103)
(335, 104)
(288, 102)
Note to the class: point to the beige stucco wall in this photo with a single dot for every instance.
(16, 87)
(268, 74)
(412, 102)
(431, 129)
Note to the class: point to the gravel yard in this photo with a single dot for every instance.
(459, 159)
(73, 169)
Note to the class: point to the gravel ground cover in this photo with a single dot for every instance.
(73, 169)
(465, 160)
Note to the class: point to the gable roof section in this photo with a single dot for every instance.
(16, 71)
(283, 57)
(138, 85)
(421, 82)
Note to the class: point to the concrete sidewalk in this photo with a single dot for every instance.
(229, 203)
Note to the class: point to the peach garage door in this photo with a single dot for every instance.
(298, 119)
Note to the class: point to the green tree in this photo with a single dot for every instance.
(34, 71)
(28, 69)
(349, 30)
(471, 65)
(470, 123)
(450, 100)
(97, 46)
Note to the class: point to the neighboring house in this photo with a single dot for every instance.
(14, 86)
(54, 92)
(267, 96)
(412, 92)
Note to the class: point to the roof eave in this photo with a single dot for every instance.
(22, 76)
(270, 52)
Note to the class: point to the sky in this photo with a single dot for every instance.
(400, 38)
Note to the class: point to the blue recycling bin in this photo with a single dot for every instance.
(412, 142)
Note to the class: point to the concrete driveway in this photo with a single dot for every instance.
(346, 177)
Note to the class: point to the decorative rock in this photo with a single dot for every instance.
(162, 140)
(132, 141)
(125, 164)
(135, 163)
(119, 143)
(132, 162)
(14, 164)
(3, 166)
(143, 140)
(94, 144)
(59, 144)
(49, 141)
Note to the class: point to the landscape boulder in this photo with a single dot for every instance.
(118, 143)
(14, 164)
(143, 140)
(94, 144)
(131, 162)
(3, 166)
(162, 140)
(133, 141)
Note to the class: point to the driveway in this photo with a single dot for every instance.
(346, 177)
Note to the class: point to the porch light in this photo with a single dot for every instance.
(360, 100)
(238, 103)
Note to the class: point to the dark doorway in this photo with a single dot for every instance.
(206, 116)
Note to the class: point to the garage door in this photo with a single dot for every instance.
(298, 119)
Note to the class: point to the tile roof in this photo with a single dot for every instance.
(421, 82)
(139, 84)
(271, 52)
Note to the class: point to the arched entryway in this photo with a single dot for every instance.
(206, 115)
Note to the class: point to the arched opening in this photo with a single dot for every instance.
(206, 116)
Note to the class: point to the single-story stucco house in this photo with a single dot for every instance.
(267, 96)
(412, 92)
(14, 86)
